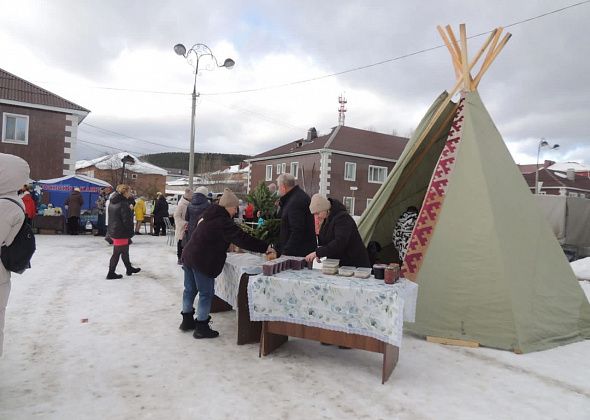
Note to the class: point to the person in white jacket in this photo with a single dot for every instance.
(180, 220)
(14, 173)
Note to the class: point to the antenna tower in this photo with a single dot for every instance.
(342, 109)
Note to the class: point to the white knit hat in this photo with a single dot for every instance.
(319, 203)
(202, 190)
(228, 199)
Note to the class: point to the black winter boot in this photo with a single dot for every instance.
(112, 275)
(188, 322)
(133, 270)
(202, 329)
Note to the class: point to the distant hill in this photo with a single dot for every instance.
(204, 162)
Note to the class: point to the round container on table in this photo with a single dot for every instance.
(379, 271)
(389, 274)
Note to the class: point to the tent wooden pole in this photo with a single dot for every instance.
(481, 51)
(491, 49)
(454, 42)
(494, 55)
(464, 61)
(454, 58)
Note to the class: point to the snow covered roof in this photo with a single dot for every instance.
(564, 166)
(114, 162)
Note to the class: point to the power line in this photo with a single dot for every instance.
(325, 76)
(389, 60)
(134, 138)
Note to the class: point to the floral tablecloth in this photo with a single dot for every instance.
(236, 264)
(366, 307)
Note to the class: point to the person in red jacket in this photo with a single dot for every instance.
(249, 212)
(30, 206)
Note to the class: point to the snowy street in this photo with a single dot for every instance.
(78, 346)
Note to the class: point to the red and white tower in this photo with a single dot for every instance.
(341, 109)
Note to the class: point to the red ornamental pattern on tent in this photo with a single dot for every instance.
(434, 198)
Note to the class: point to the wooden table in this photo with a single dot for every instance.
(52, 223)
(275, 333)
(361, 314)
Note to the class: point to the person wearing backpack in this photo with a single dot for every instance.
(14, 172)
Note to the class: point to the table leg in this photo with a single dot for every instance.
(390, 358)
(270, 341)
(219, 305)
(248, 331)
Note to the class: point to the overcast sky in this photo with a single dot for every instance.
(113, 56)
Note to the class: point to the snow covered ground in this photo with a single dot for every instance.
(130, 361)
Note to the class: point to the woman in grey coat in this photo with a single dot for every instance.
(14, 172)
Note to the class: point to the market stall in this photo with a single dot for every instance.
(59, 189)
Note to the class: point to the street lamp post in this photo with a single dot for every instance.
(193, 56)
(542, 143)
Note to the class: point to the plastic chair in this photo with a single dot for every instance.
(169, 231)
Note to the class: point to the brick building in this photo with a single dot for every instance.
(146, 179)
(39, 126)
(348, 164)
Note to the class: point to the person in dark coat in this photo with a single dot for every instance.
(338, 236)
(74, 205)
(297, 234)
(160, 211)
(197, 206)
(101, 205)
(120, 230)
(203, 258)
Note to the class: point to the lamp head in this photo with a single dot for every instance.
(555, 146)
(180, 49)
(543, 143)
(228, 63)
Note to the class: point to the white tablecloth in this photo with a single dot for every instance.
(366, 307)
(236, 264)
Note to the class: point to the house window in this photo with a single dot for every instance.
(573, 194)
(369, 202)
(133, 176)
(349, 204)
(295, 169)
(278, 168)
(15, 128)
(284, 168)
(377, 174)
(269, 172)
(350, 171)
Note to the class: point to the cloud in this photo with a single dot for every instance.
(538, 87)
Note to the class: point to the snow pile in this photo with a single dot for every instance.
(582, 268)
(111, 162)
(78, 346)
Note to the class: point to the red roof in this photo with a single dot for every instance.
(14, 88)
(346, 139)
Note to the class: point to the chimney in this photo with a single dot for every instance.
(312, 134)
(571, 174)
(548, 163)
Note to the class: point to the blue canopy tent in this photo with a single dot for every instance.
(60, 188)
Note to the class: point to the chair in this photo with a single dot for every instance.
(169, 231)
